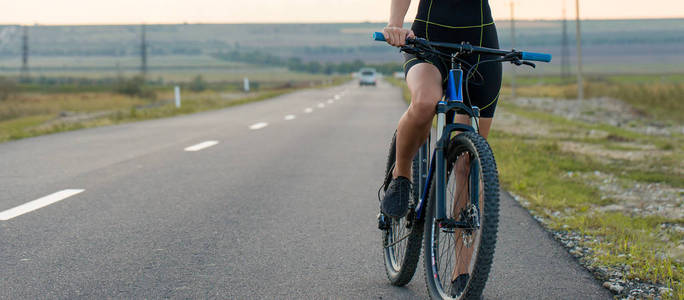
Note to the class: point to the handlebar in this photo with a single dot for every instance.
(378, 36)
(543, 57)
(530, 56)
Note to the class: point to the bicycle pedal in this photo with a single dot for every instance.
(383, 222)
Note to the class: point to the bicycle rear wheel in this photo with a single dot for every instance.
(471, 174)
(402, 237)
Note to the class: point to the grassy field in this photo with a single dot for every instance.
(603, 184)
(654, 46)
(164, 69)
(35, 109)
(656, 96)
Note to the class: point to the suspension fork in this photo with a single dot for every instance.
(440, 183)
(423, 169)
(474, 188)
(444, 132)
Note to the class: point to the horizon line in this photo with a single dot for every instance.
(315, 22)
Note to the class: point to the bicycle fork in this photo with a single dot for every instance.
(446, 110)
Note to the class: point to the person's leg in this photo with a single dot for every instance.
(485, 124)
(425, 83)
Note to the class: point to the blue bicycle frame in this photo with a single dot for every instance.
(447, 108)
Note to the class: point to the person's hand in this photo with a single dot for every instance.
(396, 36)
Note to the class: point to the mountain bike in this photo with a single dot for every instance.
(454, 212)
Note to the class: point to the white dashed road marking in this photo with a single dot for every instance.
(330, 101)
(200, 146)
(308, 110)
(38, 203)
(258, 125)
(337, 97)
(290, 117)
(321, 105)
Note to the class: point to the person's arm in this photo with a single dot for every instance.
(394, 33)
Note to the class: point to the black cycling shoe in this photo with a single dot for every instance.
(459, 285)
(396, 201)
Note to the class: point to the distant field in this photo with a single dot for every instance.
(167, 68)
(615, 46)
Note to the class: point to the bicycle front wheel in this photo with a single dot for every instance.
(402, 237)
(458, 261)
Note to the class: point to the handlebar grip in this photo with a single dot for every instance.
(536, 56)
(378, 36)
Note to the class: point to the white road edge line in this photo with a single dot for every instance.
(200, 146)
(38, 203)
(258, 126)
(290, 117)
(308, 110)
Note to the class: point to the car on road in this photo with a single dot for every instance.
(368, 76)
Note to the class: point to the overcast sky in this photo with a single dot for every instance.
(276, 11)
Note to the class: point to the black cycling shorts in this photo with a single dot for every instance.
(456, 21)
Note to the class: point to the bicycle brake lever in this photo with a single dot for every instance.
(409, 50)
(529, 63)
(516, 62)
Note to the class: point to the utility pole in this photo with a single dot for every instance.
(580, 82)
(24, 55)
(565, 47)
(143, 53)
(513, 87)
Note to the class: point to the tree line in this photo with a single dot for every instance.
(298, 65)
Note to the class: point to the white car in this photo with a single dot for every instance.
(368, 77)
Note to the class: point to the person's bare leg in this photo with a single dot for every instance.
(425, 83)
(485, 124)
(461, 172)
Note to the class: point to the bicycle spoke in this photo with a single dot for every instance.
(448, 263)
(452, 248)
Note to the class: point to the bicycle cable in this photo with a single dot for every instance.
(471, 70)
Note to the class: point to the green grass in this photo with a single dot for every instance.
(536, 170)
(656, 96)
(16, 128)
(540, 173)
(29, 126)
(31, 114)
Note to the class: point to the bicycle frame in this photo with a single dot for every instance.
(446, 109)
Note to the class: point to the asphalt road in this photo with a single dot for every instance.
(276, 206)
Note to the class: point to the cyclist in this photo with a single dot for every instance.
(452, 21)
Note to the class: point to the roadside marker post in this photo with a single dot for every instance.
(245, 85)
(176, 91)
